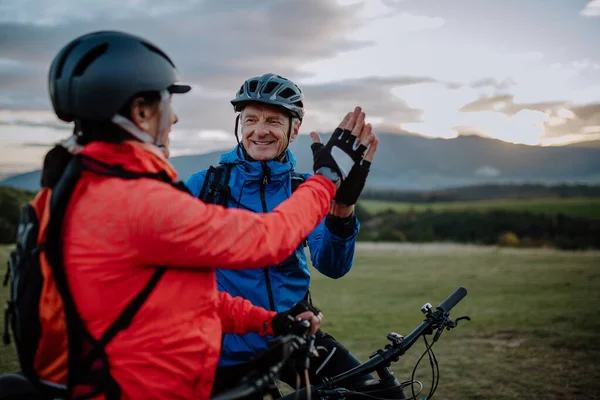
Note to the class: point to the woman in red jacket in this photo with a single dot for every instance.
(116, 88)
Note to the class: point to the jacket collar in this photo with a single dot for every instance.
(131, 155)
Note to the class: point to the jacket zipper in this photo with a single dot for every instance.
(263, 200)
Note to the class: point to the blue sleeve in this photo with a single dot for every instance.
(195, 182)
(333, 254)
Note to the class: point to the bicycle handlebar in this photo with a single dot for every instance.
(452, 300)
(292, 343)
(398, 349)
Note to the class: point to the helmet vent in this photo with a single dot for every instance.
(89, 58)
(61, 63)
(159, 52)
(269, 87)
(287, 93)
(253, 85)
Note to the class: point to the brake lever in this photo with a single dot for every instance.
(454, 323)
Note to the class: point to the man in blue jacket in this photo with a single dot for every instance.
(258, 175)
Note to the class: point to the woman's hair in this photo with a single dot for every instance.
(105, 131)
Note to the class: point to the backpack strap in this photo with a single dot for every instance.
(297, 180)
(80, 366)
(59, 200)
(124, 319)
(215, 189)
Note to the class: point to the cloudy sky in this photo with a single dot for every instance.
(524, 71)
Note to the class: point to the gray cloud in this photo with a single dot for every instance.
(65, 11)
(211, 110)
(585, 121)
(505, 104)
(37, 118)
(564, 118)
(487, 82)
(592, 9)
(494, 83)
(372, 93)
(215, 44)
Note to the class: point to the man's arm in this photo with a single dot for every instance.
(333, 242)
(332, 245)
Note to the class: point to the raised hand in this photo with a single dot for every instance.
(353, 184)
(345, 147)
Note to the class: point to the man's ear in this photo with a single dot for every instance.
(295, 130)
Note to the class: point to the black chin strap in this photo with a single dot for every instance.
(237, 122)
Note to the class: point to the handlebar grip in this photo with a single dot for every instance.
(453, 299)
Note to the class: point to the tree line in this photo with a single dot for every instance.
(485, 192)
(494, 227)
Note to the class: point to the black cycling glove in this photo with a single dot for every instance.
(285, 322)
(353, 185)
(340, 154)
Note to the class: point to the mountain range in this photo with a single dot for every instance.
(412, 162)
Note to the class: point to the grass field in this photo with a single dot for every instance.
(534, 323)
(579, 207)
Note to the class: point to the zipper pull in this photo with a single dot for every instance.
(266, 172)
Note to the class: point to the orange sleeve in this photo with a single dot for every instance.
(169, 227)
(240, 316)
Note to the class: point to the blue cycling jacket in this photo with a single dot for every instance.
(260, 187)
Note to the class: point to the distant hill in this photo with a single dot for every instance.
(595, 144)
(410, 162)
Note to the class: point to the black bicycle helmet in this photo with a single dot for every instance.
(271, 89)
(95, 75)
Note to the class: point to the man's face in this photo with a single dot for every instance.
(265, 131)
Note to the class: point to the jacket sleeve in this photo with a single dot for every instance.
(169, 227)
(240, 316)
(332, 245)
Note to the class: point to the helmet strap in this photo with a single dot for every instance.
(126, 124)
(135, 131)
(235, 130)
(240, 144)
(163, 122)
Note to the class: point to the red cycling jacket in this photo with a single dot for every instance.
(116, 232)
